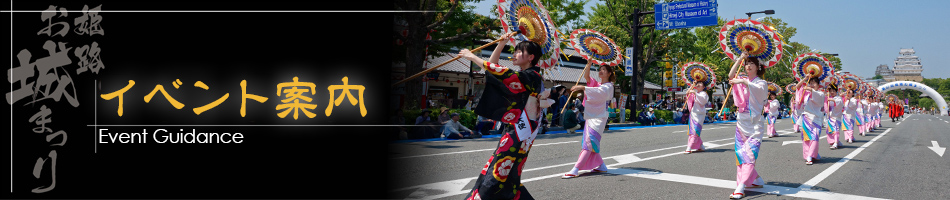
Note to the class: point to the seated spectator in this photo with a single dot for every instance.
(570, 119)
(677, 116)
(400, 122)
(455, 130)
(647, 118)
(432, 130)
(424, 117)
(444, 116)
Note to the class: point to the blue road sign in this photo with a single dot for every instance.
(628, 61)
(685, 14)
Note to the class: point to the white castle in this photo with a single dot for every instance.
(907, 67)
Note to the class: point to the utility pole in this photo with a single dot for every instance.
(635, 17)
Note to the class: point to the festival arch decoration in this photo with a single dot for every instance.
(941, 103)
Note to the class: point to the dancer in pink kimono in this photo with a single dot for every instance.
(880, 110)
(750, 95)
(772, 108)
(834, 106)
(792, 107)
(864, 110)
(696, 102)
(873, 115)
(596, 95)
(810, 100)
(849, 116)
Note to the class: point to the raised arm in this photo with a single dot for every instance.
(732, 71)
(587, 71)
(498, 49)
(469, 55)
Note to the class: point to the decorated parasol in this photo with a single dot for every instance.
(891, 97)
(531, 19)
(790, 88)
(833, 79)
(851, 83)
(775, 88)
(524, 20)
(697, 71)
(813, 65)
(596, 47)
(746, 35)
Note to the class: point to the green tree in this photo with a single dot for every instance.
(614, 18)
(566, 14)
(926, 103)
(450, 24)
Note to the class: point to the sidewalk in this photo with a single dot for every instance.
(560, 130)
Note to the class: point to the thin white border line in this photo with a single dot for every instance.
(261, 125)
(11, 97)
(95, 111)
(229, 11)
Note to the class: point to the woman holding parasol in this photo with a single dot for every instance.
(849, 120)
(597, 49)
(834, 107)
(758, 47)
(699, 76)
(772, 108)
(514, 97)
(811, 69)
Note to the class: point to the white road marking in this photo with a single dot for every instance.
(799, 141)
(731, 184)
(683, 131)
(470, 151)
(452, 187)
(824, 174)
(627, 158)
(937, 149)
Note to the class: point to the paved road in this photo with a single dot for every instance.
(893, 162)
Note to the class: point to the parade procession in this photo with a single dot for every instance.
(670, 99)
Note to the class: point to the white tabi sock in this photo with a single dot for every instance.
(740, 189)
(759, 181)
(573, 171)
(603, 167)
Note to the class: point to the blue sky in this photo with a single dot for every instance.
(865, 34)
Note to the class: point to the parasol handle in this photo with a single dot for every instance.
(724, 104)
(741, 62)
(453, 59)
(687, 90)
(586, 68)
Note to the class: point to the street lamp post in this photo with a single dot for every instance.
(830, 54)
(767, 12)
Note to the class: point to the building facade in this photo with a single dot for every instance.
(886, 72)
(907, 66)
